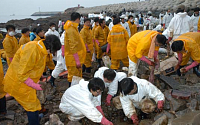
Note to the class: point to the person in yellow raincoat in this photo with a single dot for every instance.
(117, 42)
(96, 24)
(49, 61)
(25, 71)
(145, 43)
(75, 51)
(100, 35)
(86, 34)
(2, 92)
(132, 26)
(187, 46)
(10, 43)
(39, 34)
(25, 37)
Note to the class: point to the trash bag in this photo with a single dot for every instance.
(75, 80)
(106, 61)
(117, 103)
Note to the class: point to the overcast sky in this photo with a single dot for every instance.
(28, 7)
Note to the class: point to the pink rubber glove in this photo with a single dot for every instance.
(100, 110)
(108, 98)
(164, 26)
(160, 104)
(135, 119)
(29, 82)
(11, 59)
(105, 121)
(180, 57)
(157, 62)
(169, 39)
(97, 42)
(78, 64)
(143, 58)
(63, 50)
(198, 31)
(108, 48)
(87, 48)
(192, 65)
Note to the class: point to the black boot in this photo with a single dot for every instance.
(99, 63)
(52, 81)
(88, 70)
(83, 68)
(69, 84)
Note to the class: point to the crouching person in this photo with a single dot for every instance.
(110, 79)
(133, 91)
(25, 71)
(80, 101)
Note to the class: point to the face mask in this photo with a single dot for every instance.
(12, 33)
(53, 28)
(196, 14)
(131, 20)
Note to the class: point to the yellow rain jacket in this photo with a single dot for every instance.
(49, 62)
(101, 35)
(93, 29)
(2, 93)
(191, 42)
(133, 28)
(23, 40)
(73, 44)
(37, 38)
(29, 62)
(86, 35)
(139, 44)
(10, 45)
(118, 39)
(198, 25)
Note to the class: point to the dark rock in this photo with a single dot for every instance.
(191, 118)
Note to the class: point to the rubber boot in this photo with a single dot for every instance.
(83, 68)
(52, 79)
(88, 70)
(33, 118)
(3, 106)
(69, 84)
(99, 63)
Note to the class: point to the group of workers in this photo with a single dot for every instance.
(28, 61)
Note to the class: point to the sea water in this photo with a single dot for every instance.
(6, 18)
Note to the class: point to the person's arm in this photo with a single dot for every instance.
(154, 93)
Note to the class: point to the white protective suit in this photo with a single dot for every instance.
(150, 21)
(180, 24)
(167, 18)
(195, 20)
(113, 86)
(145, 89)
(126, 26)
(110, 25)
(60, 26)
(60, 66)
(51, 32)
(78, 102)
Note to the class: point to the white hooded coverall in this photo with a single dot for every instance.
(195, 20)
(180, 24)
(145, 89)
(60, 66)
(78, 102)
(126, 26)
(113, 86)
(167, 18)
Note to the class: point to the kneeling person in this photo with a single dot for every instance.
(133, 91)
(110, 79)
(80, 101)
